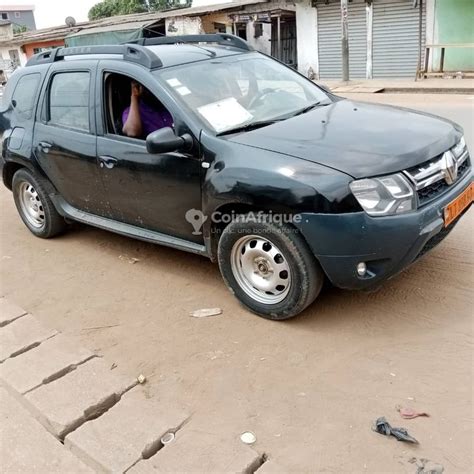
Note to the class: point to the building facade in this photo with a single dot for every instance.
(19, 15)
(451, 23)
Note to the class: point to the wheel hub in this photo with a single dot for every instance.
(31, 205)
(261, 269)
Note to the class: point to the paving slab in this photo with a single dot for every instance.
(22, 334)
(81, 395)
(199, 451)
(129, 431)
(26, 447)
(9, 312)
(51, 359)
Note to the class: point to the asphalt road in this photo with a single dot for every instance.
(309, 388)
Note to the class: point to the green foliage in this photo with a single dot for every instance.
(108, 8)
(17, 29)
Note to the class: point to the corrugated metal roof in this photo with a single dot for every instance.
(123, 22)
(135, 25)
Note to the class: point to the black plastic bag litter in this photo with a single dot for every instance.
(382, 426)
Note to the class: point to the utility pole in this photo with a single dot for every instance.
(345, 41)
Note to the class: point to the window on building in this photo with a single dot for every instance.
(219, 28)
(4, 16)
(17, 15)
(24, 94)
(258, 30)
(242, 30)
(40, 50)
(69, 100)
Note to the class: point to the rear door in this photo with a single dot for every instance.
(65, 142)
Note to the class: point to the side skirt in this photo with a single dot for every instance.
(128, 230)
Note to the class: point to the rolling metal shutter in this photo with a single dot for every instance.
(329, 39)
(395, 38)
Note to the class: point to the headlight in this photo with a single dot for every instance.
(384, 196)
(459, 148)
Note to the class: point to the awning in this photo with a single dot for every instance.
(110, 34)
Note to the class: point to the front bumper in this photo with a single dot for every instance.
(386, 244)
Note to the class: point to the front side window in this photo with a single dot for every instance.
(23, 97)
(69, 100)
(230, 92)
(131, 109)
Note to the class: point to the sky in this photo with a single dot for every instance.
(54, 12)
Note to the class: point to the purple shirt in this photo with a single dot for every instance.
(152, 119)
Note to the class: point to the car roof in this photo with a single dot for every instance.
(153, 53)
(176, 54)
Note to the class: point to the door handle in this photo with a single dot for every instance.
(45, 146)
(108, 161)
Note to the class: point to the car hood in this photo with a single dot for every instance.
(357, 138)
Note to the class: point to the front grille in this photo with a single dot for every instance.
(430, 179)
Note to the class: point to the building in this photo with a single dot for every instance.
(451, 23)
(19, 15)
(386, 37)
(11, 55)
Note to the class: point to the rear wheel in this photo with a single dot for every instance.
(35, 206)
(269, 267)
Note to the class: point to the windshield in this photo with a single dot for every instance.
(228, 93)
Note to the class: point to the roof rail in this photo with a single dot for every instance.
(219, 38)
(133, 53)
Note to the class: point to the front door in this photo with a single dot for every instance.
(65, 141)
(146, 190)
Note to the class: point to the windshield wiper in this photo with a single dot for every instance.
(309, 107)
(249, 126)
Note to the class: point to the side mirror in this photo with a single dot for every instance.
(164, 140)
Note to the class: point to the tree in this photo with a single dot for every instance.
(108, 8)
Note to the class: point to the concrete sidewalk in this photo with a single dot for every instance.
(64, 409)
(426, 86)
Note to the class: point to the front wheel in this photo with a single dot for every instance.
(269, 268)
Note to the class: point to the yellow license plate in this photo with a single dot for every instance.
(454, 208)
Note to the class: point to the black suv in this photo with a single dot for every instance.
(281, 182)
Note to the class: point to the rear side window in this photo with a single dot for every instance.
(69, 100)
(24, 95)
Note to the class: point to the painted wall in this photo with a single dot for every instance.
(454, 23)
(29, 48)
(5, 55)
(307, 34)
(23, 18)
(6, 32)
(183, 26)
(262, 43)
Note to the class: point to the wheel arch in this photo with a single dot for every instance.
(213, 230)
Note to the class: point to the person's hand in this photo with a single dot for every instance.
(137, 89)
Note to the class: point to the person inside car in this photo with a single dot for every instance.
(141, 118)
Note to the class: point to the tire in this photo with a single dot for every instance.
(35, 206)
(269, 268)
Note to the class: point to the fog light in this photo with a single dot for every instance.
(361, 269)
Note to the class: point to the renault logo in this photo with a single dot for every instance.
(449, 165)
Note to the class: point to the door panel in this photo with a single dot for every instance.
(69, 160)
(150, 191)
(65, 142)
